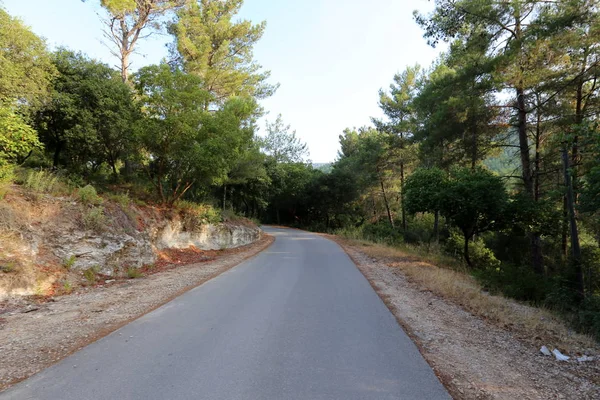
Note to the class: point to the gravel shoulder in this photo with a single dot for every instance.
(35, 336)
(474, 358)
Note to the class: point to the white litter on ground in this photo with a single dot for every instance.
(585, 358)
(560, 356)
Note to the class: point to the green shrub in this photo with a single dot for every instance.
(45, 182)
(133, 273)
(7, 176)
(67, 287)
(517, 282)
(198, 214)
(350, 232)
(7, 172)
(88, 195)
(94, 219)
(420, 228)
(90, 275)
(8, 267)
(69, 262)
(121, 199)
(228, 215)
(481, 256)
(588, 317)
(382, 232)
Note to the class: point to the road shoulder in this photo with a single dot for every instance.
(34, 338)
(474, 358)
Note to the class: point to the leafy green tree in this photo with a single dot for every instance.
(375, 159)
(89, 118)
(26, 66)
(282, 144)
(505, 33)
(18, 139)
(424, 192)
(211, 45)
(473, 200)
(181, 143)
(289, 190)
(397, 105)
(245, 176)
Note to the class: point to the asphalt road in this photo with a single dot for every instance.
(299, 321)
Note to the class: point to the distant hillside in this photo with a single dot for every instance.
(325, 167)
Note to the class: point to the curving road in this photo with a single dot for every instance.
(299, 321)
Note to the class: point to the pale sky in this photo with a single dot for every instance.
(330, 56)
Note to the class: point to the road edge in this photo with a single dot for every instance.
(266, 239)
(444, 379)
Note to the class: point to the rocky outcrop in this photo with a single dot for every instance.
(43, 238)
(206, 237)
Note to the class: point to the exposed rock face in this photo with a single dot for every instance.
(108, 252)
(40, 238)
(206, 237)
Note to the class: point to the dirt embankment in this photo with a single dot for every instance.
(53, 244)
(35, 334)
(465, 336)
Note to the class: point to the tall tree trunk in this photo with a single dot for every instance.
(575, 248)
(125, 66)
(565, 228)
(387, 205)
(536, 166)
(473, 124)
(56, 158)
(534, 238)
(436, 226)
(575, 157)
(402, 197)
(523, 141)
(224, 196)
(466, 251)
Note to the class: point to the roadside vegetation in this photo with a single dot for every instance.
(182, 134)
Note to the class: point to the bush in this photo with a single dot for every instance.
(69, 262)
(7, 176)
(121, 199)
(420, 228)
(588, 317)
(198, 214)
(382, 232)
(90, 275)
(481, 256)
(88, 195)
(133, 273)
(94, 219)
(517, 282)
(350, 232)
(228, 215)
(45, 182)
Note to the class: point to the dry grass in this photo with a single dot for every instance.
(535, 325)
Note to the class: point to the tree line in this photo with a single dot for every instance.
(183, 129)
